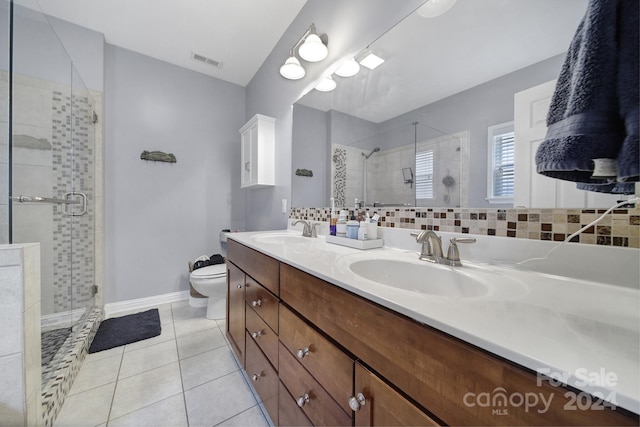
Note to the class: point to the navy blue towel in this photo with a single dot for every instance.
(594, 110)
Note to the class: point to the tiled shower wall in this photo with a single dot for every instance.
(43, 153)
(619, 228)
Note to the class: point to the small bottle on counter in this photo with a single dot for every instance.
(362, 231)
(334, 218)
(352, 229)
(341, 226)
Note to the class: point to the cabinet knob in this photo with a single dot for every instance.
(256, 303)
(256, 377)
(357, 401)
(302, 352)
(247, 166)
(255, 335)
(302, 400)
(239, 286)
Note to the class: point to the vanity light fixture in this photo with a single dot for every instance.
(327, 84)
(433, 8)
(348, 68)
(310, 47)
(371, 61)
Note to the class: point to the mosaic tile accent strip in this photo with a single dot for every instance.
(51, 342)
(73, 170)
(71, 356)
(619, 228)
(340, 174)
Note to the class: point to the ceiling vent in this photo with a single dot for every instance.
(201, 58)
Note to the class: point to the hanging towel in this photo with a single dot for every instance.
(594, 110)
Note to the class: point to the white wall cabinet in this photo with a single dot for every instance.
(258, 137)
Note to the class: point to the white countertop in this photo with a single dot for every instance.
(568, 328)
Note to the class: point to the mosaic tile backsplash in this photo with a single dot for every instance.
(621, 227)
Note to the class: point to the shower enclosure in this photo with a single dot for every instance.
(48, 164)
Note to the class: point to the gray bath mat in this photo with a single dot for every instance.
(123, 330)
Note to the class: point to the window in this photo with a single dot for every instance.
(501, 158)
(424, 174)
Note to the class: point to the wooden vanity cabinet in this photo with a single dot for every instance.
(235, 310)
(340, 350)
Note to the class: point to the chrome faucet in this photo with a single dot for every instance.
(432, 248)
(309, 230)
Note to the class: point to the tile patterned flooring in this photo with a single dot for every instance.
(187, 376)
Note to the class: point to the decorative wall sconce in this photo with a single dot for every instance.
(310, 47)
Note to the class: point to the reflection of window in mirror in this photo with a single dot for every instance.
(424, 175)
(501, 159)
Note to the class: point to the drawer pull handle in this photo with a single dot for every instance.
(256, 377)
(302, 400)
(302, 352)
(255, 335)
(239, 286)
(357, 401)
(256, 303)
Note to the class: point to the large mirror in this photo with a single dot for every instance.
(426, 126)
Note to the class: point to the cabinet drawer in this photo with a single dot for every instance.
(383, 405)
(263, 377)
(262, 335)
(327, 363)
(289, 414)
(262, 302)
(320, 407)
(435, 369)
(262, 268)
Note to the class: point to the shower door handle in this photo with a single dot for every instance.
(70, 201)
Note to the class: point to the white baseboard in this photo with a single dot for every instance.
(136, 304)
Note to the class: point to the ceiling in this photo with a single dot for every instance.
(238, 33)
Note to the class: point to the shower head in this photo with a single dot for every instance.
(375, 150)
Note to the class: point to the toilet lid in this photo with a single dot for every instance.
(210, 271)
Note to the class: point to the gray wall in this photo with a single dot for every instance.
(158, 216)
(351, 26)
(474, 110)
(312, 152)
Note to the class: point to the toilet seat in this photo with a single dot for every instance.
(210, 272)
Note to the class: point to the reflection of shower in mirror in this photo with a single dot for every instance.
(375, 150)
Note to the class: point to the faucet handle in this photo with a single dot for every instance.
(453, 255)
(314, 231)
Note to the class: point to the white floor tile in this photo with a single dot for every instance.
(252, 417)
(167, 412)
(207, 366)
(86, 409)
(190, 326)
(147, 358)
(200, 342)
(96, 373)
(185, 312)
(104, 354)
(149, 387)
(218, 400)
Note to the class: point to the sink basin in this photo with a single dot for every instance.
(423, 278)
(280, 238)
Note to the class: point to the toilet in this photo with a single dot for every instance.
(211, 281)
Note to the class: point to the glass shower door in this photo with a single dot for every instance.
(52, 176)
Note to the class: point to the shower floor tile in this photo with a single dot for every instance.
(185, 364)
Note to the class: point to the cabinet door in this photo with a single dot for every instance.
(235, 310)
(249, 156)
(383, 406)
